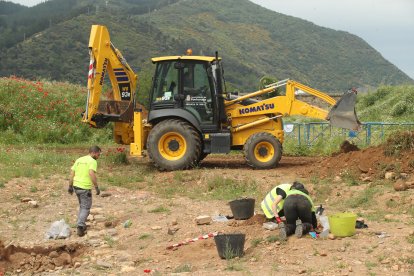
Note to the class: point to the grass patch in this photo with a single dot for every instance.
(233, 265)
(364, 199)
(256, 241)
(109, 241)
(272, 238)
(370, 264)
(145, 236)
(223, 188)
(159, 209)
(350, 178)
(400, 141)
(183, 268)
(33, 189)
(2, 185)
(323, 188)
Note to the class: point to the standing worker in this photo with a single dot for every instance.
(299, 212)
(272, 204)
(82, 177)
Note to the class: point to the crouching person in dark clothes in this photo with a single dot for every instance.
(299, 212)
(82, 178)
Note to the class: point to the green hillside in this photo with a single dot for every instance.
(252, 41)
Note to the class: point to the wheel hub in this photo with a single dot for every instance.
(263, 151)
(173, 145)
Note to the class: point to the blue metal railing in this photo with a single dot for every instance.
(370, 133)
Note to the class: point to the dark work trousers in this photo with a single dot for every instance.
(297, 207)
(85, 204)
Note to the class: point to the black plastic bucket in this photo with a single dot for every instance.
(230, 245)
(242, 208)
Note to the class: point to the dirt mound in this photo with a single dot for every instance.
(372, 161)
(256, 219)
(347, 146)
(38, 258)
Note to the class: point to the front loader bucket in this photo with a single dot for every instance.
(343, 112)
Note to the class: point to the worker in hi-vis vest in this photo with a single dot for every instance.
(272, 204)
(299, 212)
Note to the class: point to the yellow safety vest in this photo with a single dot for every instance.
(297, 192)
(271, 197)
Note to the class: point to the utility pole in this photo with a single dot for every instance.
(50, 22)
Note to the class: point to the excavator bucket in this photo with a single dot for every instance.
(343, 112)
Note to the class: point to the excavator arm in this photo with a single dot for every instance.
(105, 59)
(342, 114)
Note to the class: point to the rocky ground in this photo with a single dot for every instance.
(130, 230)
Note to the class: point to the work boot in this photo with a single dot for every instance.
(282, 232)
(299, 229)
(81, 231)
(306, 228)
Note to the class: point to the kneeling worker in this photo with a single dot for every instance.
(299, 212)
(272, 204)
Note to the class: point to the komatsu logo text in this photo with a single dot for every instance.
(105, 64)
(253, 109)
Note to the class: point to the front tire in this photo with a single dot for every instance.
(174, 145)
(262, 151)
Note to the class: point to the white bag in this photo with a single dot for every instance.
(58, 230)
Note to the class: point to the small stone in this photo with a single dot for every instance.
(323, 254)
(200, 220)
(99, 218)
(389, 217)
(33, 203)
(95, 211)
(350, 269)
(126, 269)
(331, 236)
(367, 179)
(174, 222)
(103, 264)
(337, 179)
(53, 254)
(395, 267)
(385, 261)
(26, 199)
(156, 227)
(112, 232)
(301, 271)
(363, 168)
(400, 185)
(389, 175)
(105, 194)
(77, 264)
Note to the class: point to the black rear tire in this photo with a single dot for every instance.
(262, 151)
(174, 145)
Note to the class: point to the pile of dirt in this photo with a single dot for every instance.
(347, 146)
(38, 258)
(371, 161)
(256, 219)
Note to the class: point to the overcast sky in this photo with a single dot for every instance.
(387, 25)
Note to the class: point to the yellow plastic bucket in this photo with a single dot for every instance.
(342, 224)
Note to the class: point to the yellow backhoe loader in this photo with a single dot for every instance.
(190, 114)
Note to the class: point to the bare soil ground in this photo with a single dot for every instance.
(384, 248)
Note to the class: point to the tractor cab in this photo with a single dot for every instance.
(189, 87)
